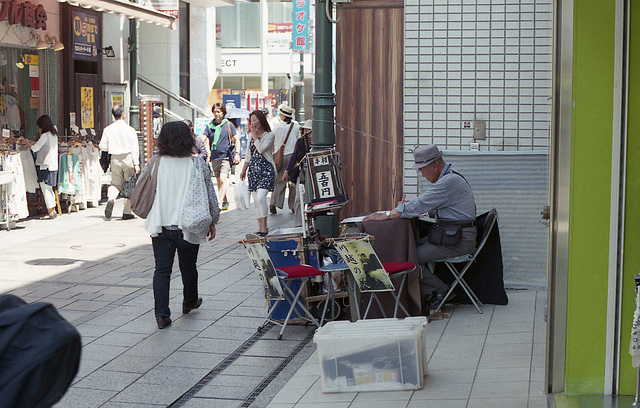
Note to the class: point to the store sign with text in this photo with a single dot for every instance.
(279, 35)
(300, 25)
(26, 14)
(86, 36)
(168, 7)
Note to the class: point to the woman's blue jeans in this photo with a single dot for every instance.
(164, 251)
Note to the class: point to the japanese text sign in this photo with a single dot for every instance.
(86, 36)
(265, 270)
(300, 25)
(367, 271)
(325, 184)
(27, 14)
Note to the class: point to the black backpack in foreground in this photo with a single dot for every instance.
(39, 353)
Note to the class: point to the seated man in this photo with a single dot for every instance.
(449, 199)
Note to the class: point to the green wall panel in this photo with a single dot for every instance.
(594, 29)
(632, 215)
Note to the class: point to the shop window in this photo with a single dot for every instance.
(16, 86)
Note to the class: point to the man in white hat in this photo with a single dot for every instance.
(449, 199)
(286, 133)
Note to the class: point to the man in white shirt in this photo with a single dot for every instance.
(120, 140)
(286, 133)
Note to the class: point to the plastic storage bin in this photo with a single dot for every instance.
(373, 355)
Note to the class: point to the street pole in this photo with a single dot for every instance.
(134, 111)
(323, 103)
(323, 100)
(301, 111)
(264, 22)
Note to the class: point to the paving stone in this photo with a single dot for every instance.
(108, 380)
(76, 397)
(193, 359)
(173, 375)
(204, 345)
(128, 363)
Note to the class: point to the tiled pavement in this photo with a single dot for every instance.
(98, 274)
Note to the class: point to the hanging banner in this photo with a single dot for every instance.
(300, 25)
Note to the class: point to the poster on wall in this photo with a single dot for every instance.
(86, 107)
(117, 98)
(86, 36)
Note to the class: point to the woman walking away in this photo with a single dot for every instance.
(262, 170)
(184, 181)
(47, 162)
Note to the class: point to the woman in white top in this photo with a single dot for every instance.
(262, 169)
(183, 178)
(47, 162)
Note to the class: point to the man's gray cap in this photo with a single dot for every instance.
(425, 155)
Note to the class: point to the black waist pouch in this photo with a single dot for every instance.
(445, 234)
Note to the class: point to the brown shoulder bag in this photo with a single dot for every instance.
(144, 192)
(279, 155)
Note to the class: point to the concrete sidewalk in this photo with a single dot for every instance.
(98, 274)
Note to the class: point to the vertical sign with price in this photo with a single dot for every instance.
(300, 25)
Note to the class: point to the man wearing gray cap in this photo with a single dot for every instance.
(448, 199)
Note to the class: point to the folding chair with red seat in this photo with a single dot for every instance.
(366, 275)
(278, 283)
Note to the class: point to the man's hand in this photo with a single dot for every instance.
(136, 168)
(376, 217)
(212, 232)
(236, 158)
(285, 176)
(393, 214)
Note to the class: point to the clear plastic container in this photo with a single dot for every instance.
(373, 355)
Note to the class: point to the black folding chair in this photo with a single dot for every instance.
(467, 260)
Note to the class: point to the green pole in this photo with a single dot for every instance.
(133, 74)
(134, 110)
(323, 103)
(323, 99)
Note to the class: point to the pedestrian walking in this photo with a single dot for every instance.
(47, 162)
(183, 183)
(294, 172)
(260, 166)
(225, 149)
(121, 142)
(202, 149)
(286, 134)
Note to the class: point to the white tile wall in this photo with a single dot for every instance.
(469, 60)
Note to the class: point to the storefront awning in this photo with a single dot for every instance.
(127, 9)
